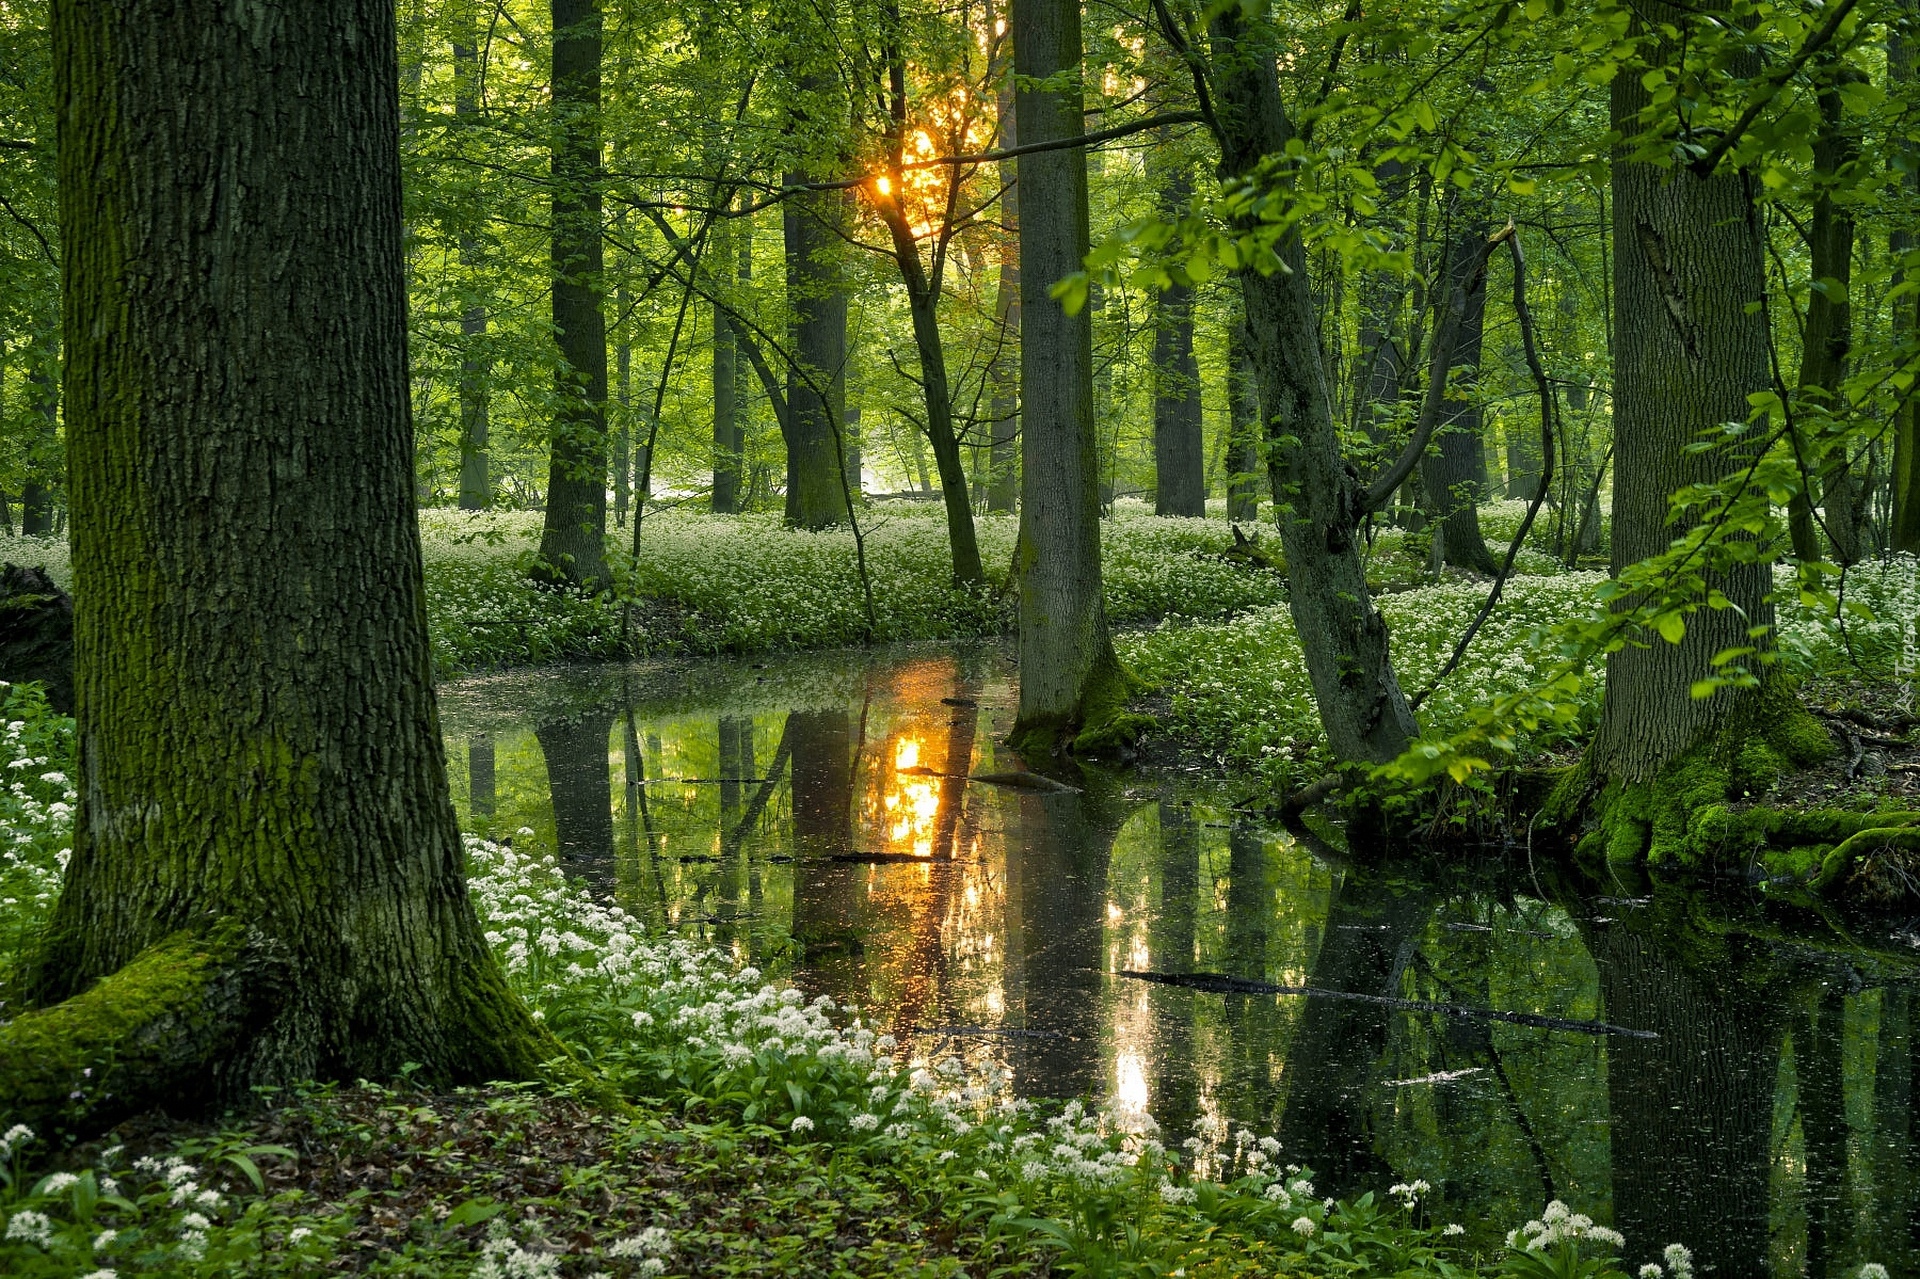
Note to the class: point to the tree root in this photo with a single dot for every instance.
(157, 1031)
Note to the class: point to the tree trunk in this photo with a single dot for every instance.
(1905, 531)
(1179, 458)
(923, 304)
(629, 448)
(726, 395)
(817, 339)
(476, 488)
(37, 493)
(1687, 261)
(265, 843)
(1828, 341)
(1003, 484)
(1068, 671)
(1243, 426)
(1343, 637)
(1454, 472)
(573, 541)
(1379, 366)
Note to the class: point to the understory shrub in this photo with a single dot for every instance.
(1238, 691)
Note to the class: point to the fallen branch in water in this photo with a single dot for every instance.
(1221, 984)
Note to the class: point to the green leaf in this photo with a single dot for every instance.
(1672, 627)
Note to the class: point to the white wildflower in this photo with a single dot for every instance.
(34, 1227)
(802, 1124)
(1304, 1227)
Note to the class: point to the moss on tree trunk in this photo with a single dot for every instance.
(258, 743)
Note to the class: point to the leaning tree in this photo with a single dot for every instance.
(266, 881)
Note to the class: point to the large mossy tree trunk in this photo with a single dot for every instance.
(1688, 351)
(1320, 499)
(1070, 680)
(573, 539)
(267, 882)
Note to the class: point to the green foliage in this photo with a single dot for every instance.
(711, 584)
(36, 815)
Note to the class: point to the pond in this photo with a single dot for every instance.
(1684, 1065)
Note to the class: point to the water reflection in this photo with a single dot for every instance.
(825, 811)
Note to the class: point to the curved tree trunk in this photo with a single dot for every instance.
(1342, 635)
(573, 541)
(265, 841)
(1067, 664)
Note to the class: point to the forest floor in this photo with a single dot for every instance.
(369, 1180)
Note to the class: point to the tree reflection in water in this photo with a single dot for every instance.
(1770, 1126)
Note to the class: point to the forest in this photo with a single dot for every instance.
(960, 637)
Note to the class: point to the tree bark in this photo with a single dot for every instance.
(573, 541)
(1179, 458)
(726, 392)
(817, 340)
(265, 841)
(1243, 426)
(1828, 340)
(476, 487)
(1453, 473)
(1687, 261)
(1904, 535)
(1319, 498)
(1003, 484)
(1067, 663)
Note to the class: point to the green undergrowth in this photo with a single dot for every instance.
(1237, 691)
(743, 584)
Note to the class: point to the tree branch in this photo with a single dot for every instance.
(1444, 340)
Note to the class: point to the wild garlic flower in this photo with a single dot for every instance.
(34, 1227)
(1304, 1227)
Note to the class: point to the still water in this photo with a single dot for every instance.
(1683, 1066)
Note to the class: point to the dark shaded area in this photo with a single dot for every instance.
(36, 633)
